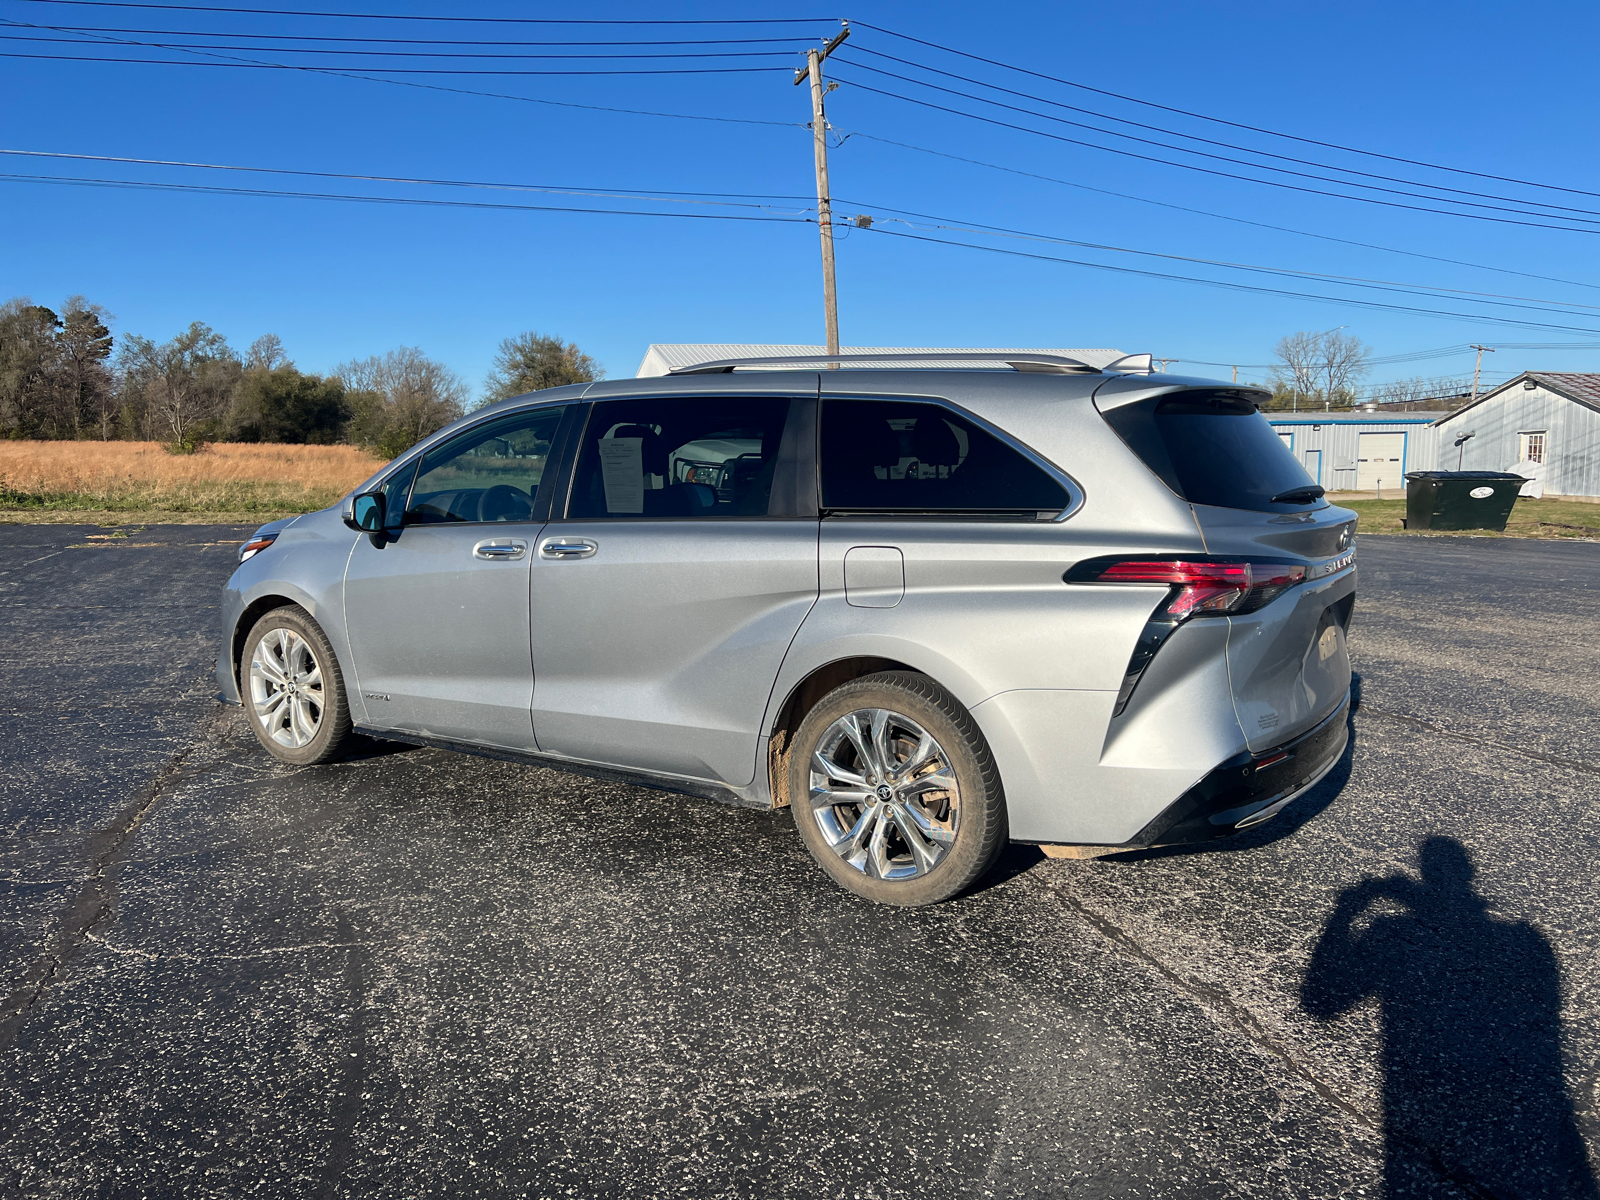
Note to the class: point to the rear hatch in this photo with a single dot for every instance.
(1288, 665)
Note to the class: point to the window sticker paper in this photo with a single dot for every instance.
(622, 473)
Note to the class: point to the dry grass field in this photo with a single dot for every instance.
(140, 481)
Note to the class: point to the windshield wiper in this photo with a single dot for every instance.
(1300, 495)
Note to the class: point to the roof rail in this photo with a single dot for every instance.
(1050, 364)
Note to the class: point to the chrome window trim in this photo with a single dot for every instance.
(1076, 496)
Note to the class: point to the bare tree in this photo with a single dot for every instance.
(1420, 392)
(1344, 360)
(265, 354)
(1298, 357)
(400, 397)
(185, 384)
(1321, 367)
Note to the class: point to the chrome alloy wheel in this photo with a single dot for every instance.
(884, 794)
(286, 687)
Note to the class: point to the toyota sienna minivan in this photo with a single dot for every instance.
(930, 611)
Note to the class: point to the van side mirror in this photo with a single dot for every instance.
(366, 513)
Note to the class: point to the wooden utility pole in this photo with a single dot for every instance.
(1477, 369)
(819, 143)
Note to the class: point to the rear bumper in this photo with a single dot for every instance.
(1249, 788)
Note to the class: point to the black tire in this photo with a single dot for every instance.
(974, 837)
(277, 722)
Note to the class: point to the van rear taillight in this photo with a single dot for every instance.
(1199, 586)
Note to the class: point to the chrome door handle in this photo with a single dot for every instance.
(495, 548)
(567, 547)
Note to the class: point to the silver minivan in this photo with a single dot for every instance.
(931, 611)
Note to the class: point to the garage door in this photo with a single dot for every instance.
(1380, 460)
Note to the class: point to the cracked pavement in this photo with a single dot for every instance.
(417, 973)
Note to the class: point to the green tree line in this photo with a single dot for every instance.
(64, 375)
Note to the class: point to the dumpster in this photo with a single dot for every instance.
(1460, 499)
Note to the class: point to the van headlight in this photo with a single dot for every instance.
(256, 545)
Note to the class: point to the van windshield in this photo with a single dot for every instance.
(1215, 448)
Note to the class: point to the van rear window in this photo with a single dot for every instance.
(1214, 448)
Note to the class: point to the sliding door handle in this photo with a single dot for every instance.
(567, 547)
(495, 548)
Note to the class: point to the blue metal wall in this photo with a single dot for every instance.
(1338, 437)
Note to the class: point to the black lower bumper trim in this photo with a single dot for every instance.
(1240, 792)
(659, 783)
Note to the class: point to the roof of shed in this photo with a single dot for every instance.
(1581, 387)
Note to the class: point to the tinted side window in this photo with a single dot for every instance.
(489, 473)
(1213, 448)
(679, 457)
(899, 456)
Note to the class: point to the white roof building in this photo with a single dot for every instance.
(660, 359)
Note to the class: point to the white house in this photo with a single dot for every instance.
(1543, 424)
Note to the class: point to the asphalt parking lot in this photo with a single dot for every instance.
(419, 974)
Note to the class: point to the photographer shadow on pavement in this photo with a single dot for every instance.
(1474, 1092)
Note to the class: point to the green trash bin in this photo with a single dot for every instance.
(1460, 499)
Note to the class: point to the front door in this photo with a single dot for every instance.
(1314, 465)
(664, 601)
(437, 611)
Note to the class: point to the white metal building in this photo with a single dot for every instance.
(660, 359)
(1543, 424)
(1360, 451)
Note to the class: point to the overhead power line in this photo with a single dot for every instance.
(452, 54)
(1277, 183)
(950, 224)
(768, 218)
(445, 88)
(1204, 170)
(1199, 116)
(1231, 285)
(331, 37)
(1325, 237)
(563, 189)
(1428, 291)
(1189, 136)
(147, 185)
(167, 62)
(358, 16)
(953, 157)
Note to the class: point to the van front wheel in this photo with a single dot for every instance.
(293, 689)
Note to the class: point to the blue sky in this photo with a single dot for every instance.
(1493, 88)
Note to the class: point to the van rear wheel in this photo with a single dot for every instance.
(894, 790)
